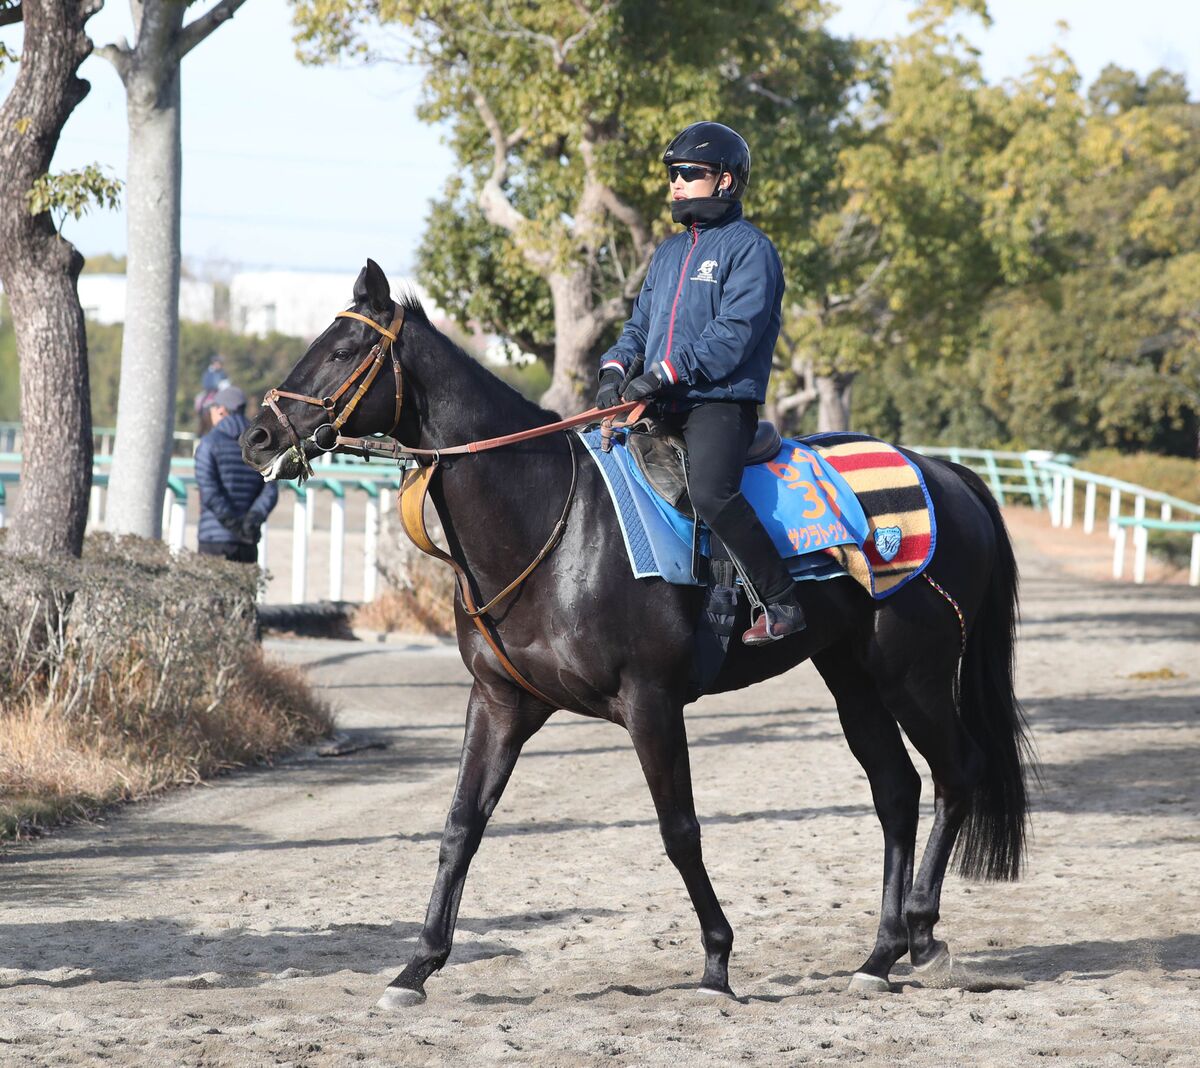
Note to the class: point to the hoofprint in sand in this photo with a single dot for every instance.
(257, 921)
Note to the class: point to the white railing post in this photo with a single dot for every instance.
(1114, 510)
(370, 548)
(1140, 539)
(263, 556)
(1194, 569)
(1119, 553)
(95, 519)
(299, 547)
(178, 524)
(1164, 512)
(1056, 499)
(337, 546)
(1069, 502)
(1089, 508)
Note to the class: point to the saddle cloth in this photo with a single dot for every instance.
(807, 503)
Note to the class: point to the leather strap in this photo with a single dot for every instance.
(370, 365)
(413, 492)
(391, 333)
(397, 449)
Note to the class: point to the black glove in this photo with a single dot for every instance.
(642, 387)
(610, 388)
(250, 529)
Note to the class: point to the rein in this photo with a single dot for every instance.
(415, 485)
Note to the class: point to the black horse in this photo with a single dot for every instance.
(595, 640)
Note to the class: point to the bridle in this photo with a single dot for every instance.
(369, 368)
(416, 483)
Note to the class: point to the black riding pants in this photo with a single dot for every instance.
(718, 435)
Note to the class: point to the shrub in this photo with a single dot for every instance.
(418, 593)
(1175, 475)
(131, 670)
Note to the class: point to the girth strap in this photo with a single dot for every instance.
(413, 492)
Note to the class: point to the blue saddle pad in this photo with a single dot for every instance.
(804, 504)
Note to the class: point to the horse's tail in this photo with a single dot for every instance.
(992, 842)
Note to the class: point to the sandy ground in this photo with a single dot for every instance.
(256, 921)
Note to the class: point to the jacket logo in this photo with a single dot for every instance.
(704, 273)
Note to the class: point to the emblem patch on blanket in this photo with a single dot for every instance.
(902, 530)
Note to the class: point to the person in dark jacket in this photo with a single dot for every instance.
(704, 328)
(234, 499)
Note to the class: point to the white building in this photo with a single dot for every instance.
(299, 303)
(103, 298)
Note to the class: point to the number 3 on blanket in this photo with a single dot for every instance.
(788, 474)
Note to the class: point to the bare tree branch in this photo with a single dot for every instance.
(119, 55)
(496, 207)
(864, 290)
(197, 30)
(558, 49)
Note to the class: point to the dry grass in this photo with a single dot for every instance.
(129, 672)
(418, 595)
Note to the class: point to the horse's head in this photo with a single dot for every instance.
(347, 382)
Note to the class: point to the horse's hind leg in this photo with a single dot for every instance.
(924, 705)
(661, 744)
(500, 719)
(875, 741)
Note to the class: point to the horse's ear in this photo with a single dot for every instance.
(372, 288)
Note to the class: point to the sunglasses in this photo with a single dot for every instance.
(689, 172)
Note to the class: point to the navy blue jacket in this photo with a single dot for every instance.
(230, 488)
(708, 314)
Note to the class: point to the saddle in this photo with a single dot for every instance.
(661, 457)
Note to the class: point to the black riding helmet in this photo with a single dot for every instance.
(716, 145)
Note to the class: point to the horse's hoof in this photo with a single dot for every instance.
(865, 983)
(716, 991)
(938, 965)
(400, 997)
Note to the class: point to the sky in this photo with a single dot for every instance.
(317, 168)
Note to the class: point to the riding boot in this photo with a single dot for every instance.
(779, 619)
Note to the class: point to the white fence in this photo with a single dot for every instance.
(356, 498)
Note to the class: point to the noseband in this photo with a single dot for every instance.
(368, 370)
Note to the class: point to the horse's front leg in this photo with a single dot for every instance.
(500, 720)
(660, 739)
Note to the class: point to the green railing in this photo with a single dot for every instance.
(1141, 527)
(1011, 476)
(1042, 479)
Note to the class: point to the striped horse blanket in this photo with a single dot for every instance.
(902, 530)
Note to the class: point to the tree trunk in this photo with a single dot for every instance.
(39, 270)
(833, 393)
(573, 382)
(150, 346)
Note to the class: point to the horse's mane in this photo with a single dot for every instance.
(512, 398)
(406, 297)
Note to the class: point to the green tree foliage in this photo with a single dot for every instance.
(945, 189)
(252, 363)
(74, 193)
(558, 112)
(979, 264)
(1108, 351)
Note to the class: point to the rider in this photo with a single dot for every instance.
(705, 324)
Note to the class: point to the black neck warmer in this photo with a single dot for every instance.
(705, 212)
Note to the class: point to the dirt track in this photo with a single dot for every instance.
(257, 921)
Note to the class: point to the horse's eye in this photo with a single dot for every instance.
(341, 354)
